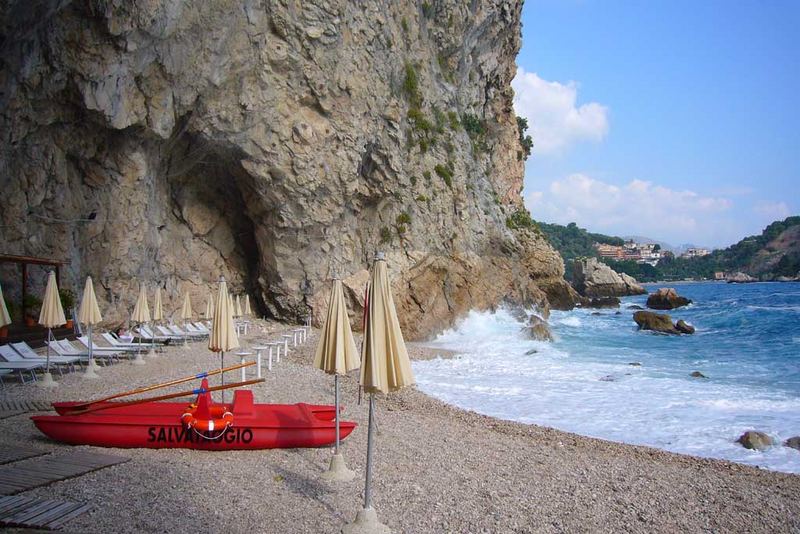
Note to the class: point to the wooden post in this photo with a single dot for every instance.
(24, 287)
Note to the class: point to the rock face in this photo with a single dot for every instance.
(740, 278)
(793, 442)
(666, 298)
(271, 142)
(593, 278)
(658, 322)
(755, 440)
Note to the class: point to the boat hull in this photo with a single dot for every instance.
(158, 426)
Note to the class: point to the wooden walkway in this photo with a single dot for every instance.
(30, 512)
(41, 471)
(12, 408)
(14, 454)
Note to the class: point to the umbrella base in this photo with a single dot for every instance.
(138, 360)
(47, 381)
(90, 371)
(152, 353)
(338, 471)
(366, 523)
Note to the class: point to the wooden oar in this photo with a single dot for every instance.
(162, 385)
(166, 397)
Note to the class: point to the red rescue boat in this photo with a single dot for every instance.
(204, 425)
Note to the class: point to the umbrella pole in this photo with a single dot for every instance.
(90, 365)
(47, 378)
(222, 375)
(370, 446)
(138, 360)
(336, 405)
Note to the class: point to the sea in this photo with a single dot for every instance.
(603, 378)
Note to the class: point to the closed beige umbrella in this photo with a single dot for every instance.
(385, 367)
(158, 307)
(51, 316)
(223, 335)
(141, 315)
(89, 314)
(186, 310)
(337, 354)
(209, 307)
(186, 314)
(247, 310)
(238, 307)
(158, 315)
(5, 317)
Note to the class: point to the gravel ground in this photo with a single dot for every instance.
(438, 469)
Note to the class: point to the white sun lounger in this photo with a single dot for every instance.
(160, 335)
(187, 332)
(21, 352)
(103, 350)
(145, 333)
(22, 367)
(65, 348)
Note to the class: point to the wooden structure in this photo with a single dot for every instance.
(24, 475)
(24, 261)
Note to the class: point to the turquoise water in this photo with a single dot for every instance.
(747, 343)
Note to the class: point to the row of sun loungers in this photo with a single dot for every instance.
(21, 360)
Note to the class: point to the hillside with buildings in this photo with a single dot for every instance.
(774, 254)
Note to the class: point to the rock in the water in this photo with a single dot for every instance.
(740, 278)
(697, 374)
(754, 440)
(618, 312)
(539, 330)
(635, 364)
(658, 322)
(603, 302)
(635, 307)
(666, 298)
(596, 313)
(530, 352)
(593, 278)
(793, 442)
(607, 378)
(684, 327)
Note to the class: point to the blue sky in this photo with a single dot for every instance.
(672, 119)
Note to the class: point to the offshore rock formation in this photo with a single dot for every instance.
(271, 142)
(593, 278)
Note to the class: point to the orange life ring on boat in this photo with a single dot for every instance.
(221, 419)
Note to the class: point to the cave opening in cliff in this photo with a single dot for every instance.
(209, 188)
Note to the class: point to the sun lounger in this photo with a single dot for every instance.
(104, 350)
(21, 368)
(117, 344)
(186, 331)
(20, 352)
(172, 333)
(160, 336)
(64, 348)
(4, 372)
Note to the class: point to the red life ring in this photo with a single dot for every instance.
(221, 419)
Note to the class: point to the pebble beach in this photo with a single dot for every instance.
(438, 468)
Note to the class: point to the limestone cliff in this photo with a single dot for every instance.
(270, 141)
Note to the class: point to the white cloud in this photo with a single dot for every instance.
(554, 120)
(636, 208)
(772, 211)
